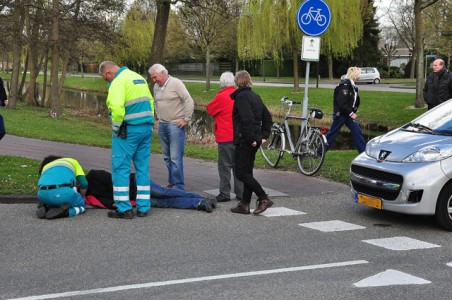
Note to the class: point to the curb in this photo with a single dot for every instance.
(18, 199)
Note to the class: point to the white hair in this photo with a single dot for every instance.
(157, 68)
(227, 79)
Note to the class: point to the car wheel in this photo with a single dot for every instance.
(376, 81)
(443, 213)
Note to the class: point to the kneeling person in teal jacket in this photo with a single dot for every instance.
(57, 188)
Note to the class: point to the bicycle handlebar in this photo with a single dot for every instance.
(286, 100)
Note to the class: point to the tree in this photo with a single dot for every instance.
(204, 24)
(391, 51)
(419, 6)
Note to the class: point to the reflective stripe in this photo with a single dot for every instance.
(60, 162)
(137, 100)
(137, 115)
(120, 198)
(143, 196)
(143, 187)
(120, 188)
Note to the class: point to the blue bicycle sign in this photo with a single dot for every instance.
(313, 17)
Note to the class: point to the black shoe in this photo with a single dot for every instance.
(128, 214)
(59, 212)
(141, 214)
(222, 198)
(206, 205)
(213, 201)
(42, 210)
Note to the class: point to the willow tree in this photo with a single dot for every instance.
(345, 30)
(269, 27)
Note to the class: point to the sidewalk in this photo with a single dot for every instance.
(200, 176)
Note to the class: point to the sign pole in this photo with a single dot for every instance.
(313, 18)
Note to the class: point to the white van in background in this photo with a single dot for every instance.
(370, 75)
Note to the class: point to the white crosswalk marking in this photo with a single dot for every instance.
(330, 226)
(400, 243)
(390, 277)
(280, 212)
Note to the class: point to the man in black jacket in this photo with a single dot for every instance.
(438, 86)
(252, 124)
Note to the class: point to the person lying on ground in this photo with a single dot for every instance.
(57, 188)
(100, 194)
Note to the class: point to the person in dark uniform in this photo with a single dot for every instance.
(438, 86)
(3, 102)
(346, 103)
(252, 124)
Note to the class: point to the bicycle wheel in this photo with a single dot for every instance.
(273, 149)
(311, 153)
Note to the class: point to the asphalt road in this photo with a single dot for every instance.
(187, 254)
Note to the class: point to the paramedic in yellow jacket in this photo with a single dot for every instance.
(131, 109)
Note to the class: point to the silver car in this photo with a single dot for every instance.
(409, 170)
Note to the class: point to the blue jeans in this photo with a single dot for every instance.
(172, 139)
(2, 127)
(357, 135)
(173, 198)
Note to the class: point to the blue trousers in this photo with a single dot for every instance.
(172, 139)
(137, 148)
(357, 135)
(2, 127)
(173, 198)
(57, 197)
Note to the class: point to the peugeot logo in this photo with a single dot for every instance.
(383, 155)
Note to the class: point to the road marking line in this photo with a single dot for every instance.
(330, 226)
(390, 277)
(190, 280)
(400, 243)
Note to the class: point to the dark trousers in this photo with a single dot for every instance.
(357, 135)
(244, 164)
(2, 127)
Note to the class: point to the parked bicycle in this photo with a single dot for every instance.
(309, 149)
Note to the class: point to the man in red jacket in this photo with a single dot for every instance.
(221, 110)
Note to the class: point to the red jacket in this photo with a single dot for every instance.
(221, 110)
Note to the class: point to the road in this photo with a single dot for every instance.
(185, 254)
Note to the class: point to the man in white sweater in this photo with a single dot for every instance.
(174, 109)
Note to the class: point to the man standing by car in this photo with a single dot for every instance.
(346, 103)
(438, 86)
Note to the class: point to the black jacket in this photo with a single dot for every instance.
(344, 98)
(438, 87)
(3, 96)
(251, 119)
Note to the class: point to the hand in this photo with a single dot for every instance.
(181, 123)
(354, 116)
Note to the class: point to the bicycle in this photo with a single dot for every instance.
(309, 150)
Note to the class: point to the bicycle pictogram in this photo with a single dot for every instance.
(313, 14)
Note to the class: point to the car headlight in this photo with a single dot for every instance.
(371, 147)
(430, 153)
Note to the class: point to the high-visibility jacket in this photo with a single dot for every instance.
(62, 171)
(129, 100)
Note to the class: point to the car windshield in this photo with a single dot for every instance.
(435, 121)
